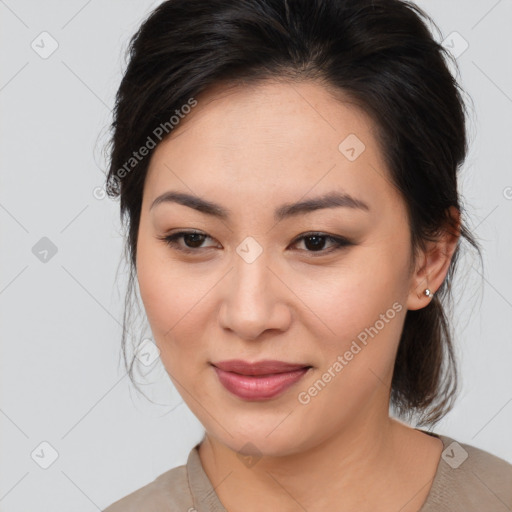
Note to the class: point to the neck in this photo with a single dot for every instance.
(352, 469)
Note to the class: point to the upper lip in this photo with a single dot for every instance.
(265, 367)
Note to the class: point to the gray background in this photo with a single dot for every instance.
(62, 381)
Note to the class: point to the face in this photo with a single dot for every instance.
(254, 285)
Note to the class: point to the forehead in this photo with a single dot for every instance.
(272, 139)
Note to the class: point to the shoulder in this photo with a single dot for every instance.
(470, 479)
(168, 492)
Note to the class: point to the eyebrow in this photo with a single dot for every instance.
(330, 200)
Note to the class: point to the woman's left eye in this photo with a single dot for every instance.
(315, 241)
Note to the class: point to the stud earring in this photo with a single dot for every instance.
(428, 293)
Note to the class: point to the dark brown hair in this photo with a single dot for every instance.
(378, 53)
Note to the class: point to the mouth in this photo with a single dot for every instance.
(266, 367)
(258, 381)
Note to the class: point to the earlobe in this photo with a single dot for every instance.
(435, 262)
(422, 290)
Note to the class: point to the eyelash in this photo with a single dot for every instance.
(339, 242)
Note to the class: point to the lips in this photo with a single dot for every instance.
(258, 381)
(266, 367)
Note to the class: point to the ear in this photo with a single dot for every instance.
(433, 263)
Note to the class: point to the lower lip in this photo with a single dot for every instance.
(262, 387)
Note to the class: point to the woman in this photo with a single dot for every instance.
(288, 171)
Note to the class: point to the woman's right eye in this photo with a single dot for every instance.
(194, 238)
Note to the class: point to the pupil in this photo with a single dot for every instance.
(318, 239)
(198, 240)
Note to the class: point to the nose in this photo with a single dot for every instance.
(254, 298)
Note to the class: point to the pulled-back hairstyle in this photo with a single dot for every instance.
(381, 56)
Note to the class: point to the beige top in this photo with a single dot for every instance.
(467, 480)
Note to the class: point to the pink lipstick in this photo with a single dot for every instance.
(261, 380)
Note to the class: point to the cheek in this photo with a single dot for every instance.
(359, 317)
(353, 297)
(174, 301)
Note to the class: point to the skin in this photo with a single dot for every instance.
(251, 150)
